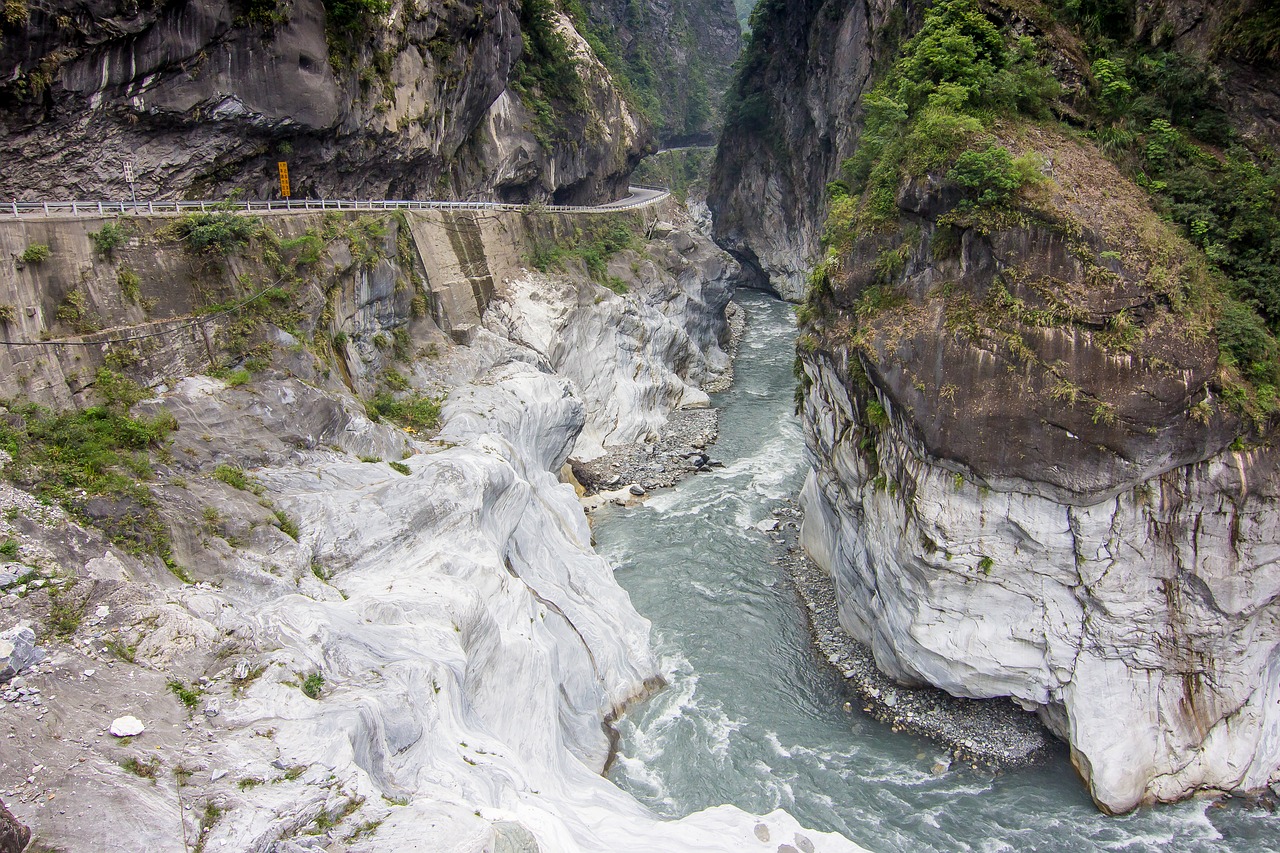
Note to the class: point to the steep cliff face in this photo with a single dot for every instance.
(791, 120)
(678, 57)
(362, 99)
(1038, 367)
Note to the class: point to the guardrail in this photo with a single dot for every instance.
(162, 208)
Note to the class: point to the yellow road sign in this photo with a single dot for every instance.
(284, 179)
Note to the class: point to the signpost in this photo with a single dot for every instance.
(128, 177)
(284, 179)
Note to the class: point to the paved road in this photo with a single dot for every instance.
(638, 196)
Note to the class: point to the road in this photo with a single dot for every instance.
(638, 197)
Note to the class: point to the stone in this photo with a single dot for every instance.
(637, 490)
(14, 835)
(762, 832)
(18, 651)
(127, 726)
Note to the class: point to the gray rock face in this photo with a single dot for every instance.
(18, 651)
(205, 101)
(1156, 606)
(796, 120)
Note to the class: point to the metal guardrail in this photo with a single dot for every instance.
(162, 208)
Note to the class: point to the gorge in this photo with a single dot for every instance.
(303, 492)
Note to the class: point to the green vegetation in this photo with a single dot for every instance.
(933, 111)
(216, 234)
(16, 14)
(147, 768)
(34, 254)
(312, 685)
(8, 313)
(684, 172)
(125, 652)
(75, 312)
(546, 75)
(66, 611)
(593, 244)
(400, 467)
(1160, 116)
(235, 477)
(417, 412)
(107, 239)
(9, 549)
(188, 696)
(1157, 114)
(130, 283)
(286, 524)
(70, 457)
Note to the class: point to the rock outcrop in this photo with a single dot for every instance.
(362, 101)
(1040, 469)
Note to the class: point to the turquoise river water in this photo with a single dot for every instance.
(752, 716)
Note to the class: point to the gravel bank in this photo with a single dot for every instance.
(994, 733)
(681, 449)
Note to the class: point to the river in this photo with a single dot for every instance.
(753, 718)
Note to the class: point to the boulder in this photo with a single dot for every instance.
(18, 651)
(128, 726)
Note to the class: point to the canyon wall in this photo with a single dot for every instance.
(1043, 459)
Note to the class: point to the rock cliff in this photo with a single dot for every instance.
(496, 99)
(1041, 434)
(678, 56)
(791, 120)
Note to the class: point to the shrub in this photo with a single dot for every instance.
(130, 283)
(312, 685)
(35, 253)
(216, 233)
(8, 313)
(236, 478)
(287, 525)
(109, 238)
(188, 696)
(16, 13)
(417, 412)
(75, 311)
(400, 467)
(991, 176)
(63, 457)
(146, 768)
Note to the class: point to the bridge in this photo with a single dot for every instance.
(638, 196)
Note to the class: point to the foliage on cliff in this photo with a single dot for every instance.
(964, 87)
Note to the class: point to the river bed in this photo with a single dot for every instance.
(752, 717)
